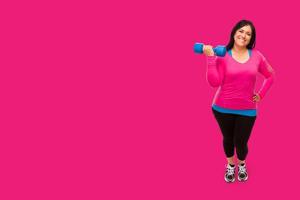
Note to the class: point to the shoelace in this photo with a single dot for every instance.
(230, 170)
(242, 169)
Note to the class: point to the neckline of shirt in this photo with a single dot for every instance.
(250, 56)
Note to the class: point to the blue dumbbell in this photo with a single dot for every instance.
(219, 50)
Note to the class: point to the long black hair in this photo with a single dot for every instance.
(239, 25)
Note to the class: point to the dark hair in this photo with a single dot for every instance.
(239, 25)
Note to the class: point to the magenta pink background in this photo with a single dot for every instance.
(109, 101)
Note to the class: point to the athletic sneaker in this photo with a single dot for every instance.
(229, 175)
(242, 174)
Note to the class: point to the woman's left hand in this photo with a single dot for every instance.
(256, 98)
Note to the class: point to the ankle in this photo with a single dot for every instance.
(231, 164)
(241, 162)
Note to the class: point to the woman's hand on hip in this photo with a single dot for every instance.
(256, 98)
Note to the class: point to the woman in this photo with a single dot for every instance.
(235, 103)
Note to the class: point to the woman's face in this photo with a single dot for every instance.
(242, 36)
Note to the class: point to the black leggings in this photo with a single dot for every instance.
(236, 130)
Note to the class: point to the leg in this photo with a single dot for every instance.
(230, 160)
(243, 128)
(226, 123)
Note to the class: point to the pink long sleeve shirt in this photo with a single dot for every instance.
(236, 81)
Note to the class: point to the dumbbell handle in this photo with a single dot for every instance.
(218, 50)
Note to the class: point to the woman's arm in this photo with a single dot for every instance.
(214, 72)
(268, 72)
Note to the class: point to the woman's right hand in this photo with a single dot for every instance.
(208, 50)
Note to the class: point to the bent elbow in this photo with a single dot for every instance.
(272, 77)
(214, 82)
